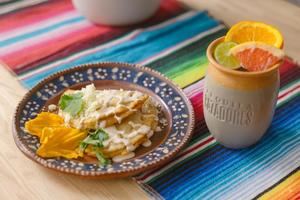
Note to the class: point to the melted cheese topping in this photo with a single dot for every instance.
(123, 157)
(147, 143)
(119, 136)
(105, 102)
(101, 103)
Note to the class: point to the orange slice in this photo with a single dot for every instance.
(256, 56)
(246, 31)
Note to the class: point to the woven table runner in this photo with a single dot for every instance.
(39, 38)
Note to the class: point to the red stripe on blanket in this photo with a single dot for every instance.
(34, 14)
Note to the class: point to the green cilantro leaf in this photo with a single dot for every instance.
(83, 146)
(96, 139)
(71, 103)
(90, 140)
(102, 160)
(102, 135)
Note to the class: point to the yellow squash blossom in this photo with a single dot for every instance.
(44, 119)
(56, 139)
(60, 141)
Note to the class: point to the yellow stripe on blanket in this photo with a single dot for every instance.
(190, 76)
(287, 190)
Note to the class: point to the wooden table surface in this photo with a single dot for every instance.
(21, 178)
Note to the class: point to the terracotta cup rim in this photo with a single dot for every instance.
(214, 63)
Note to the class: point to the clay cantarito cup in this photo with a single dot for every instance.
(238, 106)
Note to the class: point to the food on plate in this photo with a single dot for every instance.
(106, 124)
(44, 119)
(89, 108)
(60, 141)
(251, 47)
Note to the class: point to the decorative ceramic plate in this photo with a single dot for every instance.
(175, 107)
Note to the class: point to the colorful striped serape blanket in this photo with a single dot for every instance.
(38, 38)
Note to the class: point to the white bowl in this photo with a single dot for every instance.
(116, 12)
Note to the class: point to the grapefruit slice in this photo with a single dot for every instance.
(246, 31)
(256, 56)
(223, 57)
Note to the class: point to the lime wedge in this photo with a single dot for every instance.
(223, 57)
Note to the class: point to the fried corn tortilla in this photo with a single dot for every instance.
(131, 132)
(104, 107)
(128, 117)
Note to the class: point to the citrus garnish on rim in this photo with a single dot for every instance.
(246, 31)
(223, 56)
(257, 56)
